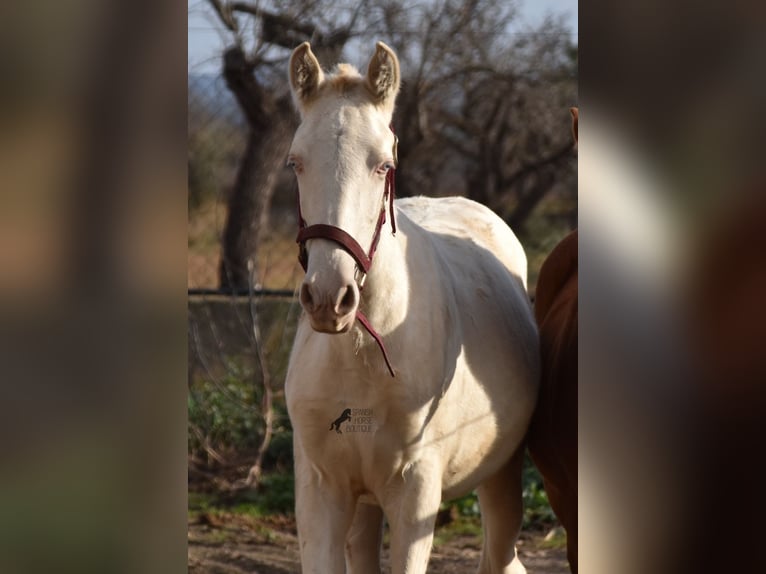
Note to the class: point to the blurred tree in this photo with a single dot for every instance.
(483, 110)
(484, 107)
(250, 198)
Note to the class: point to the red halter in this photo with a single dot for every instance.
(352, 247)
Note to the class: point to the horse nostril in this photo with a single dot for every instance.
(347, 301)
(307, 300)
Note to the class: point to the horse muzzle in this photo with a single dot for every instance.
(331, 311)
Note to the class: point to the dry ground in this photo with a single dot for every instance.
(236, 544)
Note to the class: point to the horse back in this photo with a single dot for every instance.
(485, 236)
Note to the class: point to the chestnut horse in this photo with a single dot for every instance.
(553, 432)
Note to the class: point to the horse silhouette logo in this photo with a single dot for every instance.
(345, 416)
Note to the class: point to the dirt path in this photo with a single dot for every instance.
(246, 546)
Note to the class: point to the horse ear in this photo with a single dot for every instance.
(575, 114)
(383, 75)
(305, 75)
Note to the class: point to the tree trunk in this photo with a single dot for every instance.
(240, 232)
(250, 199)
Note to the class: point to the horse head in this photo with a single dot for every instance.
(342, 153)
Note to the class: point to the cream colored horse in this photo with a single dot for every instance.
(447, 296)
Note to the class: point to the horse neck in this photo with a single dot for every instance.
(386, 290)
(404, 297)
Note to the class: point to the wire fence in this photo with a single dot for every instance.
(237, 419)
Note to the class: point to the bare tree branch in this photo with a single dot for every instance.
(225, 15)
(557, 155)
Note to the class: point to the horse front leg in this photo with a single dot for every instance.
(364, 540)
(411, 508)
(323, 513)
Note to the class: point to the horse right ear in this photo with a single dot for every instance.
(305, 75)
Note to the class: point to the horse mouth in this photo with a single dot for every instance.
(333, 326)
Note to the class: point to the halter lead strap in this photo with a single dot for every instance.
(352, 247)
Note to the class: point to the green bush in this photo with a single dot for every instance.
(277, 493)
(537, 509)
(223, 414)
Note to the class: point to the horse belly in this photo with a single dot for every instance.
(476, 437)
(471, 464)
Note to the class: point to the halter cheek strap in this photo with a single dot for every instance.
(344, 239)
(352, 247)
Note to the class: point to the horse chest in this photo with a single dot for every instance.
(368, 437)
(358, 417)
(355, 446)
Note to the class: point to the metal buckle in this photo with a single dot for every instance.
(357, 273)
(396, 150)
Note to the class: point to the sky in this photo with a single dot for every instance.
(206, 41)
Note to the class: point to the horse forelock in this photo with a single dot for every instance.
(344, 78)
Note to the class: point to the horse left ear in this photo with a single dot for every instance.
(383, 75)
(305, 75)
